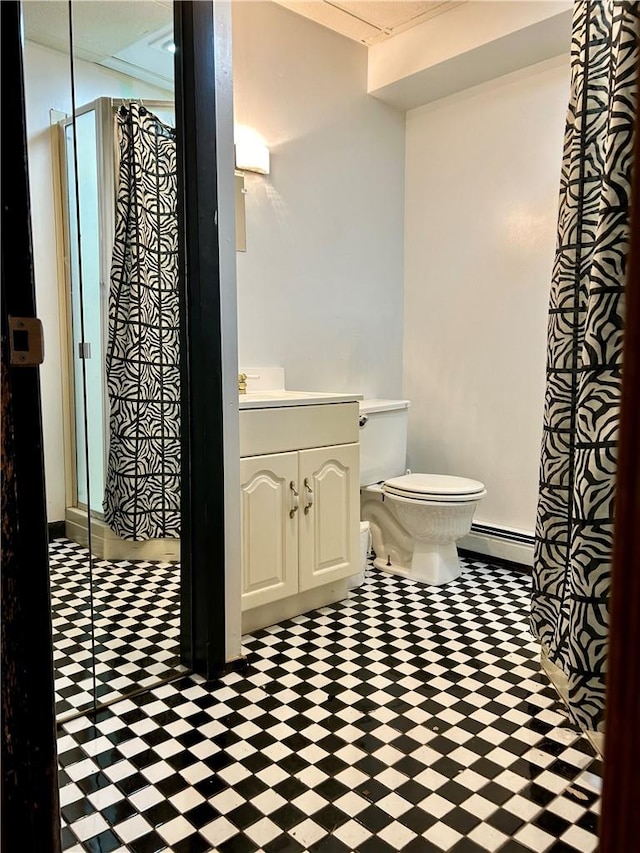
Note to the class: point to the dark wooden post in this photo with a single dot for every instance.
(620, 821)
(202, 620)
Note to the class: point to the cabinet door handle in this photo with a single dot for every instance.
(308, 496)
(295, 499)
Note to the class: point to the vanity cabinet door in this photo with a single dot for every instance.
(329, 523)
(269, 530)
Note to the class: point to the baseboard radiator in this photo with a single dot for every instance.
(505, 543)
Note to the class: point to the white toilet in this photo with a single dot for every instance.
(415, 519)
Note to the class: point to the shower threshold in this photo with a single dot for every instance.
(106, 545)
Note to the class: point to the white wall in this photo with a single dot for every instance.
(320, 285)
(482, 181)
(47, 84)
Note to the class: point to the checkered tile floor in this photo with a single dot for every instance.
(136, 626)
(406, 718)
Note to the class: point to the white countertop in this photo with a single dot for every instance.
(278, 397)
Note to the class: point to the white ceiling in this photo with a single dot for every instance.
(101, 27)
(120, 34)
(129, 36)
(370, 21)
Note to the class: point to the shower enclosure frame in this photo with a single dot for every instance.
(106, 544)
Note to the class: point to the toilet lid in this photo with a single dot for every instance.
(434, 486)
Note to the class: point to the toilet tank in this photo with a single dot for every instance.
(383, 440)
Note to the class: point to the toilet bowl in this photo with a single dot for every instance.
(415, 519)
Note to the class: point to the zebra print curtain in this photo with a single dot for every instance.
(142, 493)
(574, 532)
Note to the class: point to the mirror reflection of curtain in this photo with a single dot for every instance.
(571, 577)
(142, 492)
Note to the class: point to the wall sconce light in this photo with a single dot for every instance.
(252, 155)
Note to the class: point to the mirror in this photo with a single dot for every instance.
(101, 120)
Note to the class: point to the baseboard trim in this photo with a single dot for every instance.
(57, 530)
(294, 605)
(502, 543)
(506, 534)
(105, 545)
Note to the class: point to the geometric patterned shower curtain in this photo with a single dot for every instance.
(142, 493)
(574, 533)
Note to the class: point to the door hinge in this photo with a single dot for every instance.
(26, 341)
(84, 349)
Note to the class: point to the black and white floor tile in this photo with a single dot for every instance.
(136, 625)
(407, 717)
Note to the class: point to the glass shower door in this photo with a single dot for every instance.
(56, 264)
(115, 595)
(87, 310)
(135, 588)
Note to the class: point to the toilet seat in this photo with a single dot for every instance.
(438, 488)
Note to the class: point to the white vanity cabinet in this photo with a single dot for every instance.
(300, 494)
(269, 532)
(329, 526)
